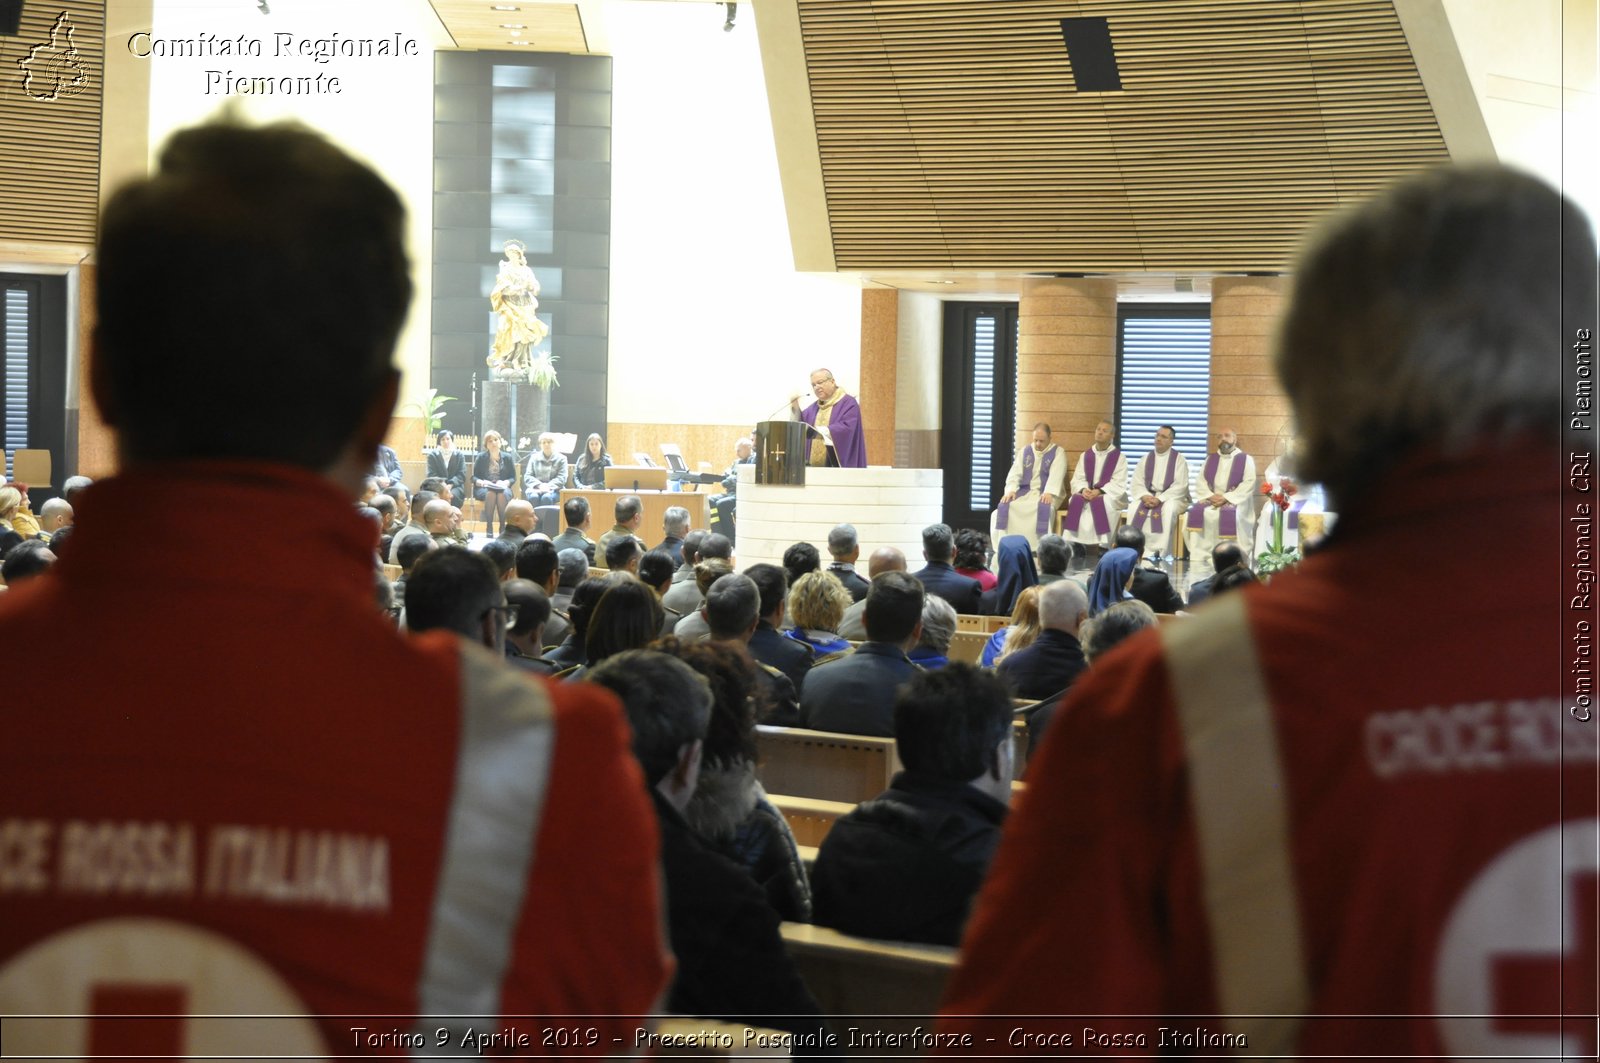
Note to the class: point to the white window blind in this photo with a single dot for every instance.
(15, 338)
(1166, 379)
(983, 391)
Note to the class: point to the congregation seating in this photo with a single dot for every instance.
(986, 624)
(810, 818)
(823, 764)
(887, 986)
(967, 646)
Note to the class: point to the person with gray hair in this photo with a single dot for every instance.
(1289, 775)
(1054, 557)
(939, 575)
(938, 628)
(1055, 658)
(724, 932)
(732, 615)
(629, 511)
(572, 564)
(74, 484)
(675, 524)
(844, 547)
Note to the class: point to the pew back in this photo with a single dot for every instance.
(822, 764)
(895, 985)
(968, 646)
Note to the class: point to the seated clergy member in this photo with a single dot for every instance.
(769, 644)
(1053, 661)
(1033, 488)
(939, 575)
(845, 550)
(575, 511)
(1160, 492)
(906, 865)
(1099, 491)
(854, 694)
(723, 930)
(545, 473)
(374, 854)
(446, 463)
(1221, 509)
(630, 515)
(1150, 585)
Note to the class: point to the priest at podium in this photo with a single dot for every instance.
(1033, 487)
(836, 411)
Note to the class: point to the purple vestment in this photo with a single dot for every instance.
(849, 450)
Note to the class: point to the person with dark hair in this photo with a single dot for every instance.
(630, 516)
(623, 553)
(590, 468)
(26, 560)
(731, 959)
(1160, 493)
(503, 555)
(439, 861)
(729, 808)
(449, 465)
(854, 694)
(844, 547)
(1150, 585)
(545, 474)
(674, 526)
(815, 607)
(1049, 664)
(570, 652)
(973, 554)
(438, 520)
(386, 468)
(940, 577)
(537, 562)
(799, 559)
(906, 865)
(494, 471)
(1098, 491)
(627, 617)
(655, 571)
(731, 614)
(457, 590)
(690, 552)
(382, 503)
(575, 511)
(769, 644)
(1017, 574)
(63, 535)
(409, 553)
(525, 636)
(440, 487)
(684, 597)
(694, 625)
(1227, 817)
(1224, 555)
(1232, 579)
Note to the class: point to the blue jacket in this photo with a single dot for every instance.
(960, 591)
(1047, 667)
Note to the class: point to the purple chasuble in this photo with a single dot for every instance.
(1228, 515)
(1002, 518)
(1140, 514)
(1097, 477)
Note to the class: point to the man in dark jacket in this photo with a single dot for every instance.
(844, 547)
(769, 644)
(939, 575)
(1055, 659)
(1150, 585)
(907, 864)
(1224, 555)
(731, 960)
(854, 694)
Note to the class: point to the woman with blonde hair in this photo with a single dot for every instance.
(493, 473)
(817, 602)
(1018, 634)
(10, 504)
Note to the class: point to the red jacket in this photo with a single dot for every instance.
(1388, 810)
(236, 789)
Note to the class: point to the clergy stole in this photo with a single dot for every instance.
(819, 449)
(1154, 515)
(1098, 478)
(1002, 518)
(1228, 515)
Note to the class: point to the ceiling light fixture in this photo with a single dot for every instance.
(504, 7)
(513, 25)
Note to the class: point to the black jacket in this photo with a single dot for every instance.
(1047, 667)
(674, 546)
(963, 592)
(855, 693)
(1154, 589)
(907, 864)
(573, 539)
(731, 960)
(847, 575)
(452, 471)
(790, 656)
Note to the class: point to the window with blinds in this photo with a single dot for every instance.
(984, 329)
(1163, 377)
(980, 392)
(15, 335)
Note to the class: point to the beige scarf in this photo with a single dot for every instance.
(819, 449)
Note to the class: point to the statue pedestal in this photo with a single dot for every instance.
(516, 410)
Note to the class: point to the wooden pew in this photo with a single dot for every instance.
(822, 764)
(810, 818)
(986, 624)
(968, 646)
(894, 986)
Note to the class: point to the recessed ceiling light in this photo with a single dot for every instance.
(513, 25)
(520, 42)
(504, 7)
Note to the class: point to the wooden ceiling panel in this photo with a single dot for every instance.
(951, 136)
(531, 25)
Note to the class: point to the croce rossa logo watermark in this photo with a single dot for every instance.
(54, 69)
